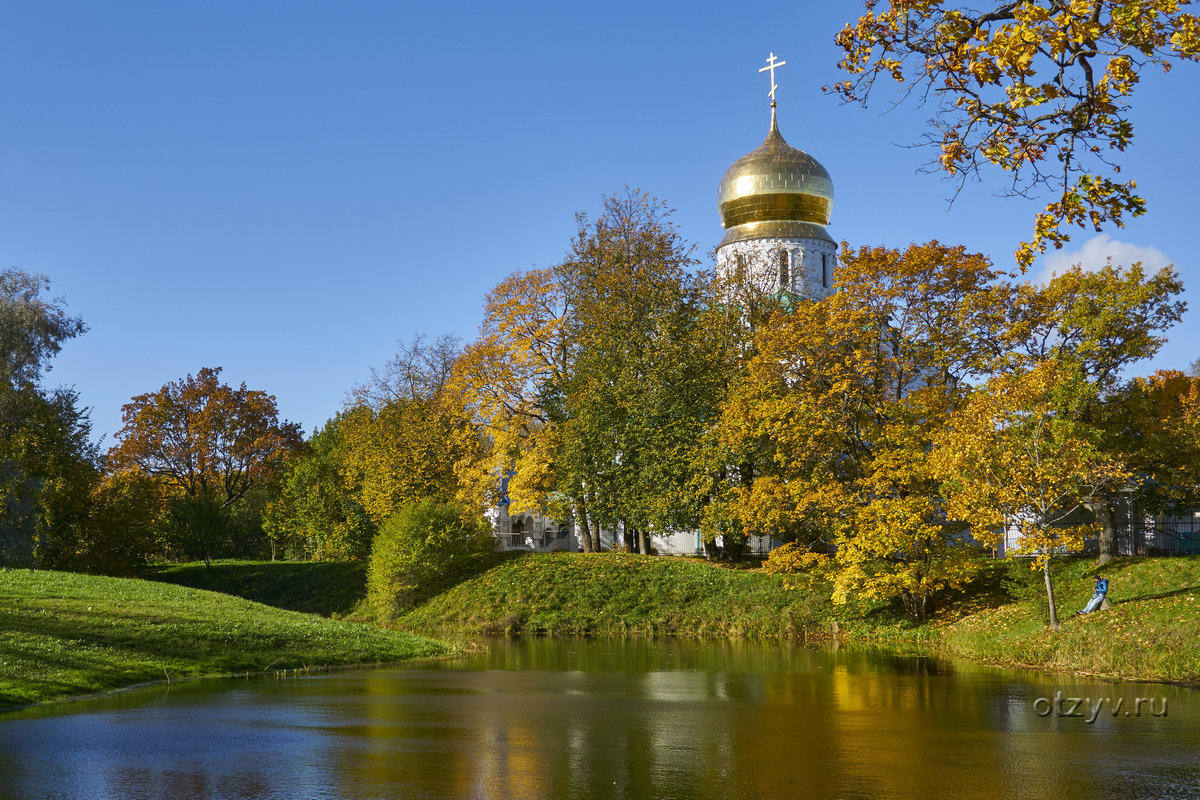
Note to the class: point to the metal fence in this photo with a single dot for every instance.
(1155, 536)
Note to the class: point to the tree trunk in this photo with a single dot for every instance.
(583, 529)
(597, 542)
(1102, 511)
(1050, 595)
(916, 605)
(643, 542)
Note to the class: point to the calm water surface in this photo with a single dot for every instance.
(630, 719)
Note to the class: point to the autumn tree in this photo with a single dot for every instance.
(208, 443)
(406, 431)
(507, 378)
(837, 410)
(1017, 458)
(121, 530)
(1042, 90)
(1094, 324)
(1153, 423)
(588, 376)
(642, 382)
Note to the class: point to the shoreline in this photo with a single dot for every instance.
(296, 672)
(66, 630)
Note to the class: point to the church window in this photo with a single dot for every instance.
(784, 273)
(825, 270)
(740, 267)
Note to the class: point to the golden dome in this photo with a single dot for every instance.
(775, 191)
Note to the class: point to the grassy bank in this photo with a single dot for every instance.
(618, 594)
(1152, 632)
(328, 588)
(66, 634)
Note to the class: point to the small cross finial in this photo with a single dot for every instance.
(771, 65)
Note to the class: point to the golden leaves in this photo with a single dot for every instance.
(1088, 55)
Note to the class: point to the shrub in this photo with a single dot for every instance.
(417, 550)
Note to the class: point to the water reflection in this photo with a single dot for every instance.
(585, 718)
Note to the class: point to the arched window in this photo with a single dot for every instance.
(784, 272)
(825, 270)
(740, 268)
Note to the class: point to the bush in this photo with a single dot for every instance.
(417, 549)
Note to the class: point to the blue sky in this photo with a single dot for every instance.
(284, 189)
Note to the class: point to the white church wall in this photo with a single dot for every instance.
(810, 264)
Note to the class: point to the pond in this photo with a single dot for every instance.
(543, 718)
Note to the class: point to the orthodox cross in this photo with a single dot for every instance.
(771, 65)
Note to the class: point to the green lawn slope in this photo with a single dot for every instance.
(1152, 631)
(328, 588)
(63, 634)
(573, 594)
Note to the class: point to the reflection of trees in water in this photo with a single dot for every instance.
(588, 718)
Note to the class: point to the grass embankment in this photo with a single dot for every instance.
(568, 594)
(328, 588)
(1152, 631)
(65, 634)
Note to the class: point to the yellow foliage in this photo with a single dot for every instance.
(792, 558)
(1087, 56)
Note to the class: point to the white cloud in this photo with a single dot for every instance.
(1095, 253)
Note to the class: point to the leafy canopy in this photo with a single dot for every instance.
(204, 438)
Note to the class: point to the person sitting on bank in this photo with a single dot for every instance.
(1097, 598)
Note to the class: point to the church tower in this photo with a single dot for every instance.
(775, 202)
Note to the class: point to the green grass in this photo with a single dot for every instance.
(575, 594)
(1152, 632)
(70, 635)
(66, 634)
(328, 588)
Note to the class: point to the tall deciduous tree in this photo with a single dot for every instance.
(1094, 324)
(203, 437)
(642, 385)
(32, 327)
(590, 377)
(208, 443)
(508, 377)
(1040, 89)
(1017, 458)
